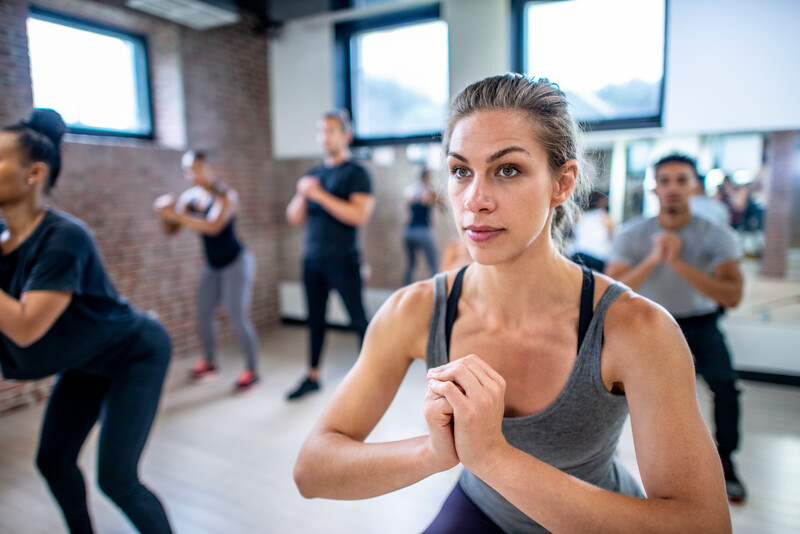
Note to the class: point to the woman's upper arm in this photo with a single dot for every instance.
(224, 208)
(396, 335)
(676, 455)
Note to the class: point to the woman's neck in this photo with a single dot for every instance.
(531, 283)
(22, 218)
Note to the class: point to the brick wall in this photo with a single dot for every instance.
(209, 90)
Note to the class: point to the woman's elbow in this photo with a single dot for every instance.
(304, 479)
(27, 338)
(719, 522)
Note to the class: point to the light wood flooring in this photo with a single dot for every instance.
(222, 464)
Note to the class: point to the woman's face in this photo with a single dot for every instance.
(14, 173)
(197, 172)
(500, 185)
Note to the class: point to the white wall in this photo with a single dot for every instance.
(301, 85)
(473, 55)
(732, 65)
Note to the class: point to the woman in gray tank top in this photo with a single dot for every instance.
(534, 364)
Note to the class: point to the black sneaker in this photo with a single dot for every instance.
(306, 386)
(733, 486)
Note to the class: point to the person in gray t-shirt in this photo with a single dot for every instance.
(690, 266)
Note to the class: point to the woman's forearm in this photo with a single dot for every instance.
(26, 320)
(563, 503)
(200, 225)
(334, 466)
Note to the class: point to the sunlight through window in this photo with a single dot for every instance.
(94, 79)
(399, 79)
(609, 59)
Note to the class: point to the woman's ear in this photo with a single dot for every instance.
(565, 183)
(38, 172)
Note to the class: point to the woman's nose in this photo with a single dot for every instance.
(479, 196)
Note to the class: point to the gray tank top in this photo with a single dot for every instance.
(578, 433)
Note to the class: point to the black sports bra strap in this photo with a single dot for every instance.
(587, 304)
(452, 307)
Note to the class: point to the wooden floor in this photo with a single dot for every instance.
(222, 464)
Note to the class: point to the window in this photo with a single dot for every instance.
(393, 76)
(606, 55)
(94, 76)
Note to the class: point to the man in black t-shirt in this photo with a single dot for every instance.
(333, 200)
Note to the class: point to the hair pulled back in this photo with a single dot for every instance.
(39, 138)
(552, 125)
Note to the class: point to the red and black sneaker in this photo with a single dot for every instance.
(245, 381)
(203, 371)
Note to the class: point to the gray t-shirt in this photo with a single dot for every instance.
(705, 246)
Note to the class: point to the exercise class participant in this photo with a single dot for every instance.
(690, 265)
(534, 362)
(420, 197)
(60, 314)
(209, 208)
(333, 199)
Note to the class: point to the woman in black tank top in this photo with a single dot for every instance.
(533, 418)
(209, 208)
(420, 197)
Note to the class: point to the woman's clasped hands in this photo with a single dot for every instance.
(464, 407)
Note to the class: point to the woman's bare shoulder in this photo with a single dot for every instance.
(640, 331)
(634, 313)
(409, 305)
(404, 319)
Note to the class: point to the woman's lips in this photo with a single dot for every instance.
(480, 234)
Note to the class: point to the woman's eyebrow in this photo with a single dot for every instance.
(502, 152)
(497, 155)
(457, 156)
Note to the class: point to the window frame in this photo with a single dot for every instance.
(343, 84)
(142, 72)
(518, 47)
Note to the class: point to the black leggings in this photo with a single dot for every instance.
(122, 391)
(320, 276)
(459, 515)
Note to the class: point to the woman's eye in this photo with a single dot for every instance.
(508, 172)
(460, 172)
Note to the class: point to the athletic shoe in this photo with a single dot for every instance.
(203, 372)
(245, 381)
(306, 386)
(733, 486)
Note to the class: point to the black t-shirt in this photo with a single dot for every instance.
(326, 236)
(61, 255)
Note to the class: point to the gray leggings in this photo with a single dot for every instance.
(233, 285)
